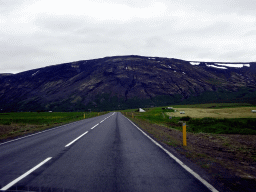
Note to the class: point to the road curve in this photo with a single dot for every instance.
(105, 153)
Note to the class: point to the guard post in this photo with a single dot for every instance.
(184, 134)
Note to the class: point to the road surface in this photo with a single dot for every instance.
(105, 153)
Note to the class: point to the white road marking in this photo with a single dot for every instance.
(76, 139)
(107, 118)
(208, 185)
(46, 160)
(85, 133)
(95, 126)
(40, 132)
(24, 175)
(30, 135)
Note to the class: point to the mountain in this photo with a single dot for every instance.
(126, 82)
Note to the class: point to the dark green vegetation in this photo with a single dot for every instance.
(18, 124)
(40, 118)
(121, 82)
(153, 115)
(245, 126)
(241, 95)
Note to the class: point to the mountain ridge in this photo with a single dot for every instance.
(131, 81)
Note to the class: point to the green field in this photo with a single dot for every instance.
(231, 125)
(39, 118)
(18, 124)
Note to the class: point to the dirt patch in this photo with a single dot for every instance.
(230, 160)
(238, 112)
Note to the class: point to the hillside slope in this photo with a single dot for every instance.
(126, 82)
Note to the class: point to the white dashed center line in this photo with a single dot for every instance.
(24, 175)
(95, 126)
(76, 139)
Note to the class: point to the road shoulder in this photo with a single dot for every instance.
(212, 163)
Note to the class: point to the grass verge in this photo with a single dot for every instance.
(13, 125)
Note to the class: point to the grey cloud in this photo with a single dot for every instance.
(65, 38)
(59, 23)
(7, 6)
(132, 3)
(250, 33)
(13, 48)
(76, 30)
(240, 55)
(238, 6)
(156, 42)
(211, 29)
(220, 6)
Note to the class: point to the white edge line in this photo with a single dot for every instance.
(208, 185)
(24, 175)
(50, 129)
(76, 139)
(29, 135)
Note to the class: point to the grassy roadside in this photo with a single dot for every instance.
(200, 124)
(13, 125)
(214, 105)
(229, 158)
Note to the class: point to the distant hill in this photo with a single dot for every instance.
(126, 82)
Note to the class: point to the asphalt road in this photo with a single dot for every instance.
(105, 153)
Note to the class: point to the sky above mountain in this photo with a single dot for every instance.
(38, 33)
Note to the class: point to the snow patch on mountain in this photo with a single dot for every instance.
(235, 65)
(194, 63)
(218, 67)
(35, 73)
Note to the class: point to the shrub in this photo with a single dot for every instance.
(187, 118)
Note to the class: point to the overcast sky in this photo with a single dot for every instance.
(37, 33)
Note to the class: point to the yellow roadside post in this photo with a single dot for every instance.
(184, 134)
(84, 115)
(132, 115)
(98, 114)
